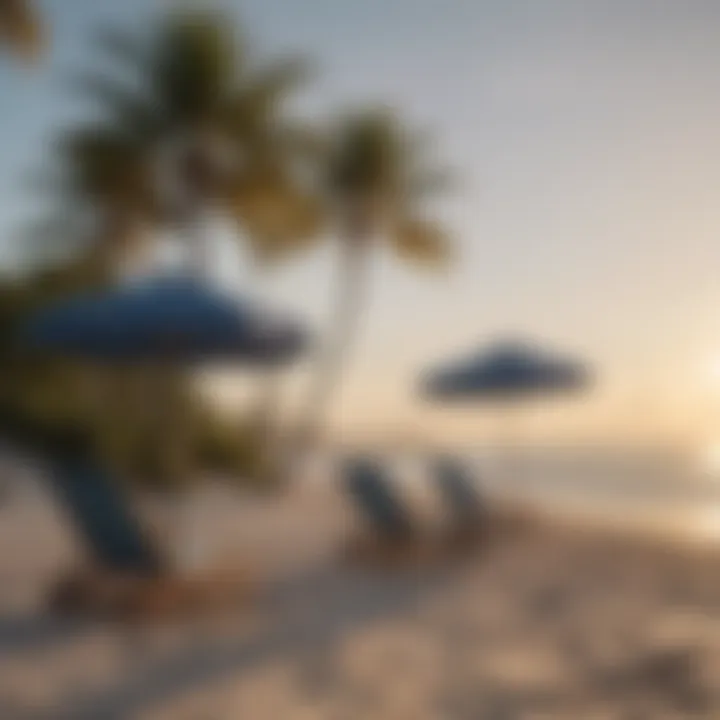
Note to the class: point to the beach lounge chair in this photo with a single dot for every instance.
(392, 529)
(123, 557)
(101, 514)
(111, 531)
(129, 579)
(459, 492)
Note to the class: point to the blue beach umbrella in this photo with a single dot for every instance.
(170, 320)
(177, 320)
(503, 373)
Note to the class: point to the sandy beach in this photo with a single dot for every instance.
(553, 623)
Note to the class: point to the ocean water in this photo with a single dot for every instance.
(657, 491)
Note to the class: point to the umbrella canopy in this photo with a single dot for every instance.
(177, 320)
(505, 372)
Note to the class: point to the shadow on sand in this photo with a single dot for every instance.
(21, 633)
(309, 612)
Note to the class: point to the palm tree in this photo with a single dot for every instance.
(376, 177)
(20, 27)
(184, 120)
(103, 195)
(187, 122)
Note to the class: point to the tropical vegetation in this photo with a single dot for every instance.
(186, 122)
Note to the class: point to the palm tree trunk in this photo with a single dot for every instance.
(348, 304)
(265, 413)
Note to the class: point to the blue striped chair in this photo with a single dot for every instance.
(462, 498)
(393, 531)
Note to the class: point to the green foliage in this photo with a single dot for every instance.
(50, 404)
(186, 118)
(378, 177)
(20, 27)
(185, 102)
(226, 447)
(186, 94)
(375, 177)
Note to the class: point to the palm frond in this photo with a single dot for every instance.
(20, 27)
(367, 156)
(250, 115)
(421, 242)
(195, 63)
(379, 171)
(105, 163)
(185, 91)
(277, 219)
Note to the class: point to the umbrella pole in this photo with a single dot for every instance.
(507, 434)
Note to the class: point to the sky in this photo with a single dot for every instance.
(586, 138)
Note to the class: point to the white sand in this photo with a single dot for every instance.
(555, 624)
